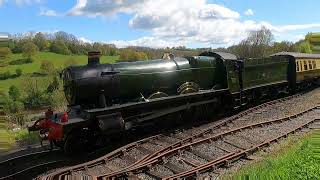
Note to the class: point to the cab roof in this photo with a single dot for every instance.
(220, 55)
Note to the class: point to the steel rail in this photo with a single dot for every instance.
(16, 166)
(114, 154)
(232, 156)
(150, 161)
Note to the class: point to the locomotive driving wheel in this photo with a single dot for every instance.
(158, 95)
(76, 142)
(188, 87)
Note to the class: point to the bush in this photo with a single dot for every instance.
(5, 75)
(23, 137)
(54, 85)
(58, 101)
(21, 61)
(11, 106)
(29, 49)
(30, 60)
(35, 93)
(47, 67)
(18, 72)
(131, 55)
(14, 93)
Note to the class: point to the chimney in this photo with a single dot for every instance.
(94, 57)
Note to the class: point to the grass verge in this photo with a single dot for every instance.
(15, 138)
(7, 141)
(299, 160)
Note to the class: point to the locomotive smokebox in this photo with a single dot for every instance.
(94, 58)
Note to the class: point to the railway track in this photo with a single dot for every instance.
(140, 152)
(211, 150)
(30, 164)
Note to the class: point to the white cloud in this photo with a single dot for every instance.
(249, 12)
(145, 42)
(105, 7)
(2, 2)
(293, 27)
(85, 40)
(47, 12)
(299, 37)
(179, 22)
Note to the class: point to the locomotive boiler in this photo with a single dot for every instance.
(101, 85)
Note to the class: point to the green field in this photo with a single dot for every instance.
(14, 138)
(58, 60)
(6, 138)
(294, 160)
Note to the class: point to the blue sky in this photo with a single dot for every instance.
(161, 23)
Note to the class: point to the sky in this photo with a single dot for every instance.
(162, 23)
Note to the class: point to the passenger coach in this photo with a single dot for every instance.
(306, 67)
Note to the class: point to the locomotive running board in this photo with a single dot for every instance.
(173, 110)
(116, 108)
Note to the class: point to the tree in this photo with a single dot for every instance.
(29, 49)
(256, 45)
(142, 56)
(41, 42)
(304, 47)
(112, 51)
(47, 67)
(131, 55)
(59, 47)
(14, 93)
(282, 46)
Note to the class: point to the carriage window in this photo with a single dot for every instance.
(297, 66)
(314, 64)
(300, 65)
(310, 65)
(305, 65)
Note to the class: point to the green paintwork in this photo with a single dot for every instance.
(258, 72)
(148, 77)
(233, 75)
